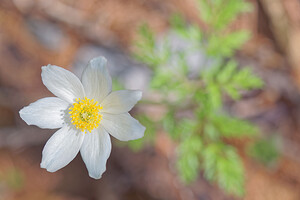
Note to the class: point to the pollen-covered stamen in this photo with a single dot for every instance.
(85, 114)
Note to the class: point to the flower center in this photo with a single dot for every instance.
(85, 114)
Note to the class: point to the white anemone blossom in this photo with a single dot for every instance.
(85, 112)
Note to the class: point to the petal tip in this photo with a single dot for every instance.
(43, 165)
(95, 176)
(140, 131)
(139, 94)
(21, 111)
(98, 62)
(45, 67)
(22, 114)
(143, 129)
(100, 58)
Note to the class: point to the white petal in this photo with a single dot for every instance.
(61, 148)
(122, 126)
(96, 79)
(62, 83)
(120, 101)
(45, 113)
(95, 151)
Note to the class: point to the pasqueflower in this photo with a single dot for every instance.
(85, 112)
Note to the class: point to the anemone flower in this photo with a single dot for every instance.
(85, 112)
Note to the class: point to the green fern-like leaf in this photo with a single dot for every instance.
(245, 79)
(226, 44)
(219, 13)
(232, 127)
(188, 163)
(222, 164)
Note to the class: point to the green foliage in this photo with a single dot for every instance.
(220, 13)
(264, 151)
(222, 164)
(195, 118)
(169, 124)
(179, 25)
(188, 157)
(231, 127)
(150, 54)
(226, 44)
(231, 80)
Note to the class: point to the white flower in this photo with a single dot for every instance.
(85, 112)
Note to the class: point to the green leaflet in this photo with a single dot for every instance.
(226, 44)
(220, 13)
(265, 150)
(188, 158)
(222, 164)
(230, 127)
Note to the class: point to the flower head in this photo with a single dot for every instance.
(85, 112)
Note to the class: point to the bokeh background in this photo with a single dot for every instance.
(68, 33)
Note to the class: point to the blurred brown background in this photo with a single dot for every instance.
(68, 33)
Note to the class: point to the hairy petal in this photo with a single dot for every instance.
(120, 101)
(95, 151)
(96, 79)
(45, 113)
(61, 148)
(62, 83)
(122, 126)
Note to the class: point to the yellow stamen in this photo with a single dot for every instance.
(85, 114)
